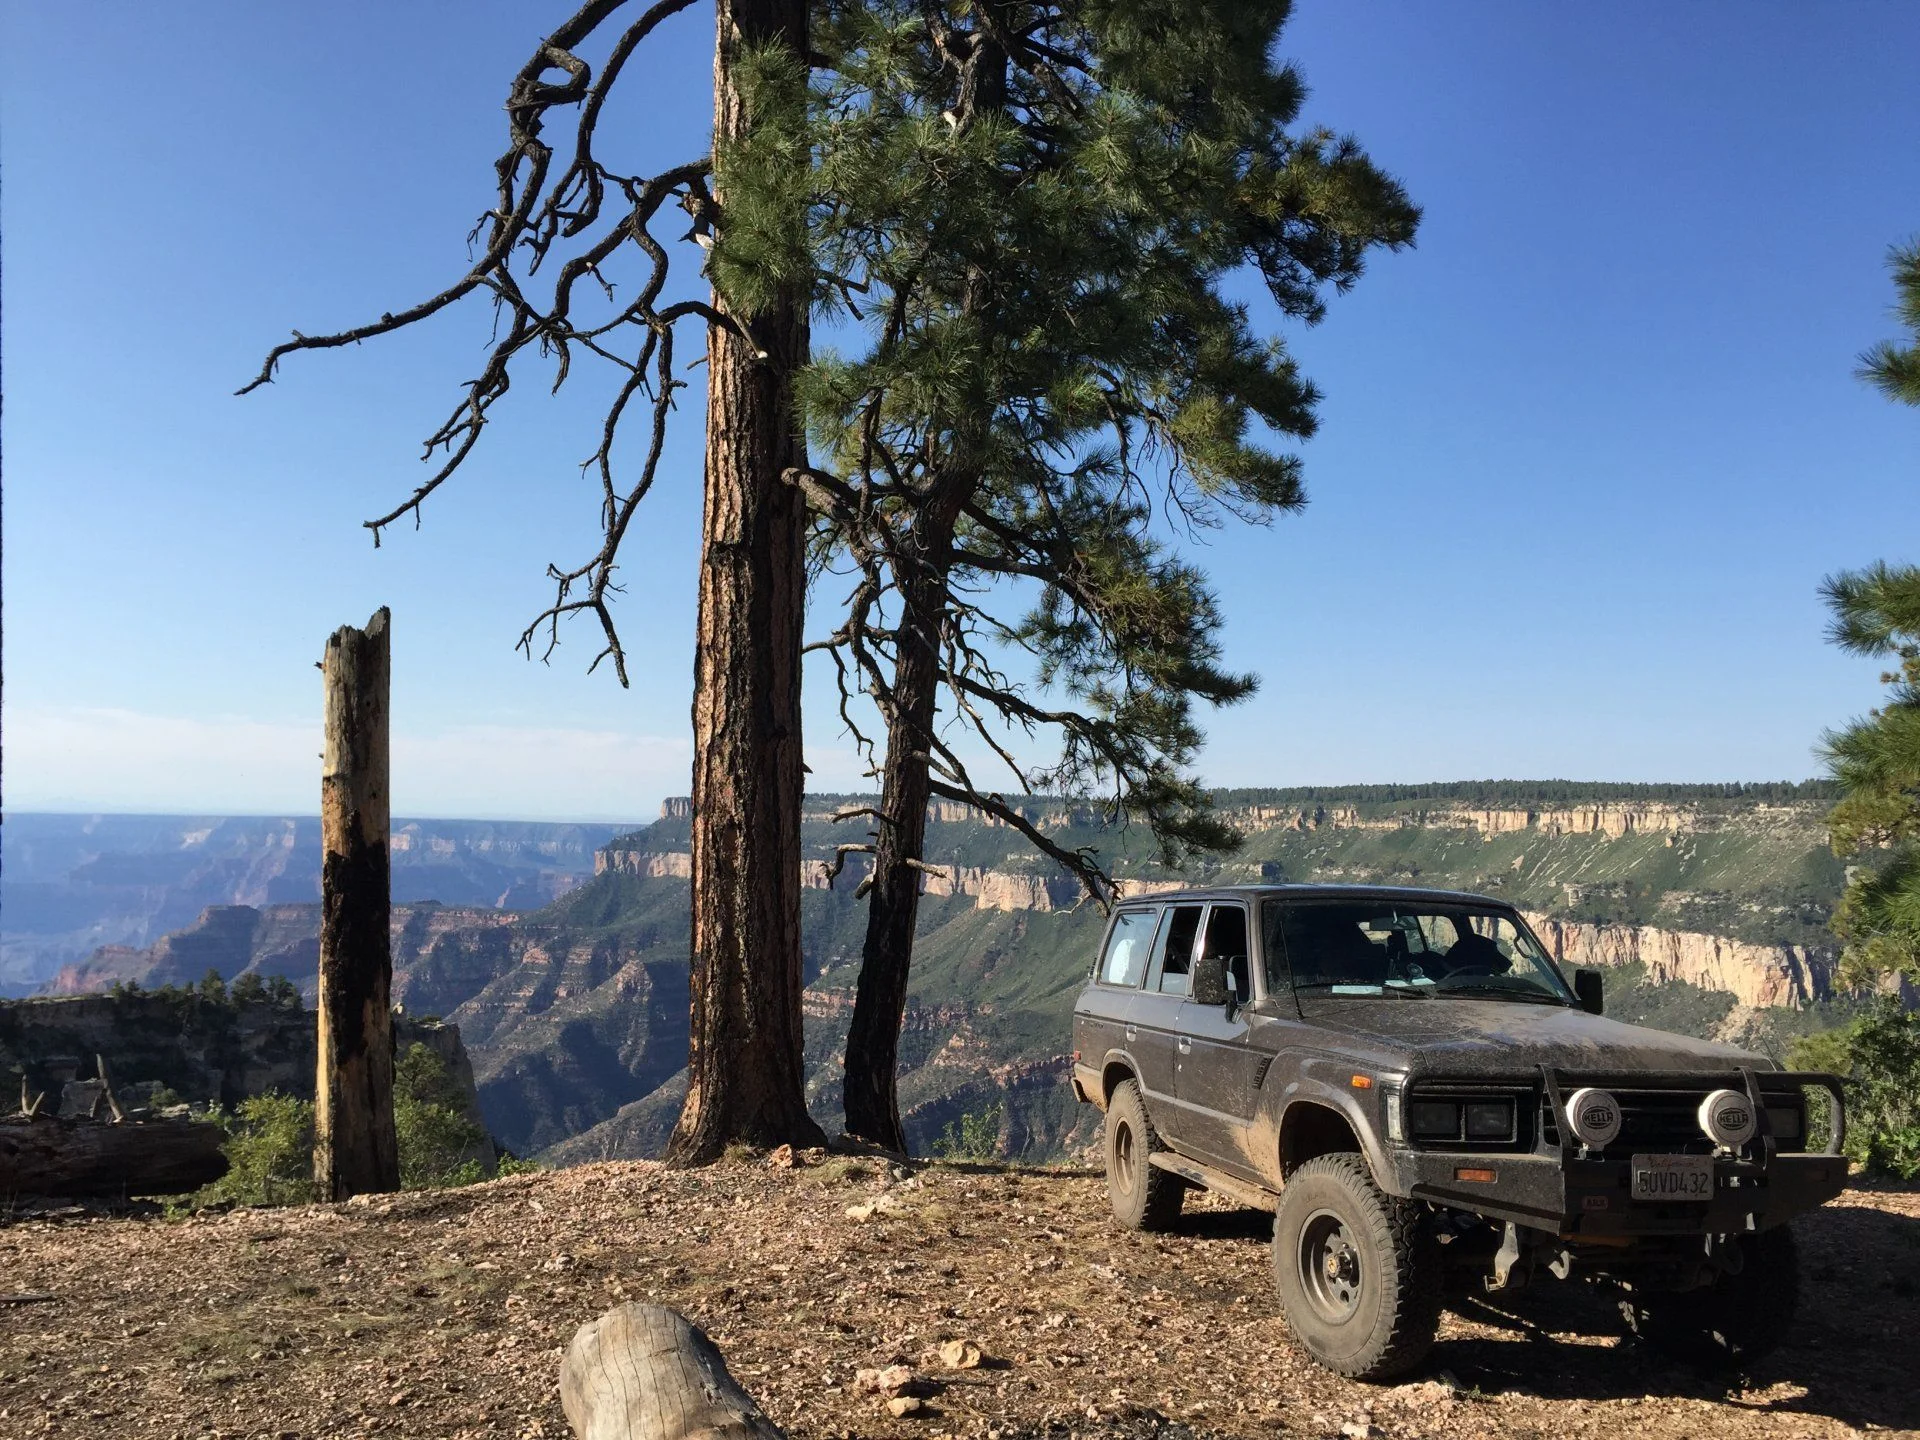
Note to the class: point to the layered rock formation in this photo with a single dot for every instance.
(1756, 975)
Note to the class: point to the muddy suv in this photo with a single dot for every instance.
(1407, 1079)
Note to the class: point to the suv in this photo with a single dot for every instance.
(1411, 1084)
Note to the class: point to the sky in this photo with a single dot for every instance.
(1586, 451)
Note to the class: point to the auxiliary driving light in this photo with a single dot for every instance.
(1727, 1118)
(1594, 1116)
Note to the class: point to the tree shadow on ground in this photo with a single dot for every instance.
(1852, 1355)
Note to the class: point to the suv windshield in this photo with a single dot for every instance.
(1377, 947)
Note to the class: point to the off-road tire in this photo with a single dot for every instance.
(1730, 1323)
(1144, 1196)
(1377, 1319)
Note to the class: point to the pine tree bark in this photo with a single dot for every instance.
(744, 1070)
(354, 1149)
(871, 1095)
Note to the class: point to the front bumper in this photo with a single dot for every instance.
(1590, 1197)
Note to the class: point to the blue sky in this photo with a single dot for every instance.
(1586, 451)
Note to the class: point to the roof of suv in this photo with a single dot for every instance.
(1408, 893)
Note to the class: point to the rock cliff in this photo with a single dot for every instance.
(205, 1051)
(1757, 975)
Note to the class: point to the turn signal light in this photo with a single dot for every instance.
(1362, 1082)
(1478, 1177)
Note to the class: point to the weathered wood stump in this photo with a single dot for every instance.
(354, 1148)
(643, 1372)
(43, 1156)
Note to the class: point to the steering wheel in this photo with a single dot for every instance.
(1470, 967)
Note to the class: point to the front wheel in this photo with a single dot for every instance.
(1731, 1322)
(1144, 1196)
(1357, 1270)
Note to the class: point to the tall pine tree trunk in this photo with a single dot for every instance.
(744, 1077)
(893, 904)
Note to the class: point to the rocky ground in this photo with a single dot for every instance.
(444, 1314)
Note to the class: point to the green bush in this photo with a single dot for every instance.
(269, 1153)
(975, 1136)
(436, 1141)
(269, 1144)
(1879, 1053)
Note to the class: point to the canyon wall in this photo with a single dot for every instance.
(990, 889)
(1756, 975)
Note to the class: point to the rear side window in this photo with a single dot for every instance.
(1127, 947)
(1176, 954)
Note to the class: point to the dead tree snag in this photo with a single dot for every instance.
(354, 1150)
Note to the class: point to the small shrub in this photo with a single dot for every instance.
(269, 1153)
(1879, 1053)
(269, 1144)
(975, 1136)
(436, 1141)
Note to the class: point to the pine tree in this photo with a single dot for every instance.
(1033, 211)
(1877, 759)
(1891, 366)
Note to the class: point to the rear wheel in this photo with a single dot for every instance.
(1733, 1321)
(1358, 1271)
(1144, 1196)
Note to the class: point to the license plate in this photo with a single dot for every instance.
(1673, 1177)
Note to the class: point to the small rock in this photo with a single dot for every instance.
(813, 1155)
(781, 1158)
(1360, 1430)
(960, 1355)
(902, 1406)
(888, 1381)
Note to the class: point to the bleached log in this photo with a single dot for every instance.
(643, 1372)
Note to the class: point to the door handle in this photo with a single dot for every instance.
(1186, 1046)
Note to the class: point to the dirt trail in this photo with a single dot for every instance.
(444, 1314)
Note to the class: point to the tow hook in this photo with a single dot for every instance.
(1512, 1265)
(1725, 1254)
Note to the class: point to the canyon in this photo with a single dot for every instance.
(1705, 909)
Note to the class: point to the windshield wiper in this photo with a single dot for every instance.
(1529, 997)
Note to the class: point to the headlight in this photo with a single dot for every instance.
(1490, 1120)
(1434, 1119)
(1594, 1116)
(1784, 1121)
(1726, 1118)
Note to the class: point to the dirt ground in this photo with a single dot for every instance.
(444, 1314)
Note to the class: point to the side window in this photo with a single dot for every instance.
(1227, 937)
(1273, 946)
(1175, 959)
(1127, 947)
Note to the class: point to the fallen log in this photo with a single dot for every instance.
(42, 1156)
(643, 1372)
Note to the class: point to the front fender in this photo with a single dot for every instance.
(1328, 1082)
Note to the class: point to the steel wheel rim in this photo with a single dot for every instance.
(1329, 1267)
(1123, 1161)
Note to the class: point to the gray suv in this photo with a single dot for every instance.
(1406, 1078)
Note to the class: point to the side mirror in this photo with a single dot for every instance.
(1588, 988)
(1210, 980)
